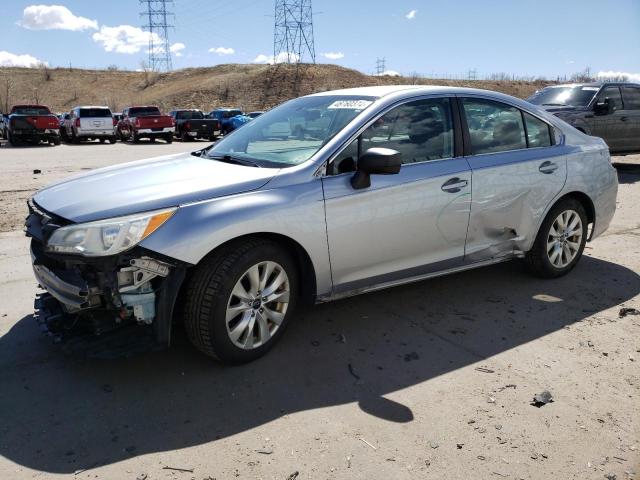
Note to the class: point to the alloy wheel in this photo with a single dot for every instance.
(564, 239)
(257, 305)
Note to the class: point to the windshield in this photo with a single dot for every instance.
(293, 132)
(190, 115)
(143, 111)
(31, 111)
(578, 96)
(94, 112)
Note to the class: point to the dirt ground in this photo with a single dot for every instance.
(433, 380)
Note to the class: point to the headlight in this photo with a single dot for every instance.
(107, 237)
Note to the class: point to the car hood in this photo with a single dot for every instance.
(148, 185)
(555, 109)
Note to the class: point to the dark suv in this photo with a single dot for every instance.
(610, 110)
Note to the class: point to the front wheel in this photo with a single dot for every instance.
(239, 300)
(560, 241)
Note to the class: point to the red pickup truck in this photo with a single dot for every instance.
(145, 122)
(31, 123)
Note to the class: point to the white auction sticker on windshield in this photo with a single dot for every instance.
(351, 104)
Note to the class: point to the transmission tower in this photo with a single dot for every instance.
(381, 66)
(157, 25)
(293, 32)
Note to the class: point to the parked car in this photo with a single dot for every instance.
(145, 122)
(224, 116)
(117, 117)
(192, 124)
(444, 179)
(90, 123)
(609, 110)
(31, 123)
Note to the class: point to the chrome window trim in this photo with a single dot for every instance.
(381, 113)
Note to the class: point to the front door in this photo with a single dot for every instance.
(403, 225)
(610, 126)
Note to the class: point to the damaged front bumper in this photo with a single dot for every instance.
(108, 306)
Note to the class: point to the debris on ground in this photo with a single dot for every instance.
(434, 445)
(293, 476)
(142, 476)
(508, 385)
(364, 441)
(491, 399)
(610, 476)
(541, 399)
(484, 370)
(459, 446)
(37, 171)
(176, 469)
(628, 311)
(353, 372)
(265, 451)
(411, 356)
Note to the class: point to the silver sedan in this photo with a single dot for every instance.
(325, 196)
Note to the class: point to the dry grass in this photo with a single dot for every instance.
(252, 87)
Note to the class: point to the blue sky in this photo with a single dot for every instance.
(532, 38)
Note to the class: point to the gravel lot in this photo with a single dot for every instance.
(432, 380)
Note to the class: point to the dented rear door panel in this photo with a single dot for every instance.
(510, 195)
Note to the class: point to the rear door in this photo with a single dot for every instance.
(96, 120)
(631, 117)
(517, 171)
(404, 225)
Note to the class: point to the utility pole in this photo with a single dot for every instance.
(293, 32)
(381, 66)
(472, 74)
(157, 25)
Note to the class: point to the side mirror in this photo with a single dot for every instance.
(375, 161)
(603, 108)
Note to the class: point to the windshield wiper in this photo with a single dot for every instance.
(236, 160)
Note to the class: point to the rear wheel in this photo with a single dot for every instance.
(169, 138)
(185, 137)
(112, 140)
(239, 300)
(55, 140)
(560, 241)
(135, 138)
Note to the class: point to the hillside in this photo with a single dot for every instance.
(252, 87)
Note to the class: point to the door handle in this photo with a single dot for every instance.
(454, 185)
(548, 167)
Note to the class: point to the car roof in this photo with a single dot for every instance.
(92, 106)
(594, 84)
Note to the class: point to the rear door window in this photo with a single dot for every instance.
(493, 126)
(631, 98)
(538, 133)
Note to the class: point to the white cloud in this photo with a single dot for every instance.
(283, 57)
(333, 55)
(12, 60)
(125, 39)
(631, 77)
(54, 17)
(388, 73)
(177, 48)
(411, 15)
(222, 50)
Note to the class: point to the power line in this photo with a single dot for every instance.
(293, 32)
(157, 26)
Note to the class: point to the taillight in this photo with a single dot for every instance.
(137, 123)
(77, 122)
(115, 122)
(187, 126)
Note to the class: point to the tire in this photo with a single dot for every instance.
(112, 140)
(74, 138)
(12, 141)
(209, 293)
(169, 138)
(134, 138)
(56, 140)
(185, 137)
(102, 140)
(552, 255)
